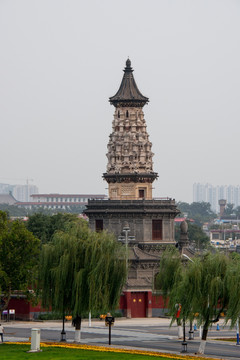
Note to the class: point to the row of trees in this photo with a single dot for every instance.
(200, 212)
(205, 286)
(72, 269)
(14, 210)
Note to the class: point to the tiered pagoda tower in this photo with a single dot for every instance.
(131, 209)
(130, 167)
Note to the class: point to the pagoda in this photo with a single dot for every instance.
(144, 224)
(130, 167)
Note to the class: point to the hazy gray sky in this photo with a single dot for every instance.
(60, 61)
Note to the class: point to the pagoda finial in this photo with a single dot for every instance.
(128, 63)
(128, 67)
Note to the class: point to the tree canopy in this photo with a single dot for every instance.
(200, 212)
(206, 285)
(19, 256)
(44, 226)
(229, 209)
(15, 210)
(82, 271)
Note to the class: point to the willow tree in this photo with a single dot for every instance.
(82, 271)
(199, 285)
(233, 285)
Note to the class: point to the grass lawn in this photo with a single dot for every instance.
(19, 352)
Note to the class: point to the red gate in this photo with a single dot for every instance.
(138, 304)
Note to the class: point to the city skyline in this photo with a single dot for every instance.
(62, 60)
(212, 194)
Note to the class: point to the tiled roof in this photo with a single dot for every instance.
(128, 94)
(137, 254)
(139, 282)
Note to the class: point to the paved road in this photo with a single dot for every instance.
(149, 334)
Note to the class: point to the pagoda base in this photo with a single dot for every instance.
(145, 243)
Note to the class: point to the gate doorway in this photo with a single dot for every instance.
(138, 304)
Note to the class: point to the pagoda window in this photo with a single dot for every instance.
(98, 225)
(118, 114)
(156, 229)
(141, 193)
(127, 114)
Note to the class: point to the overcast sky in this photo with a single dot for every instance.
(60, 61)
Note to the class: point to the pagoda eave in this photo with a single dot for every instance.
(136, 178)
(128, 103)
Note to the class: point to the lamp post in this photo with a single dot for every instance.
(63, 332)
(126, 230)
(184, 343)
(125, 239)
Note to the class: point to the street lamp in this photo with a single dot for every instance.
(63, 332)
(191, 333)
(126, 230)
(126, 238)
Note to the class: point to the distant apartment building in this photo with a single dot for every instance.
(20, 192)
(212, 194)
(60, 201)
(23, 192)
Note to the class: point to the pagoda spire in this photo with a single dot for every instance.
(128, 94)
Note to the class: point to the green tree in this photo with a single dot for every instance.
(200, 212)
(233, 286)
(236, 211)
(44, 226)
(229, 209)
(199, 285)
(14, 210)
(81, 271)
(19, 256)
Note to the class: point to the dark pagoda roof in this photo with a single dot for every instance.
(128, 93)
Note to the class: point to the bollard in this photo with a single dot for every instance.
(238, 332)
(35, 340)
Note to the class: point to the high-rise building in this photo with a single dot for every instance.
(24, 192)
(20, 192)
(212, 194)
